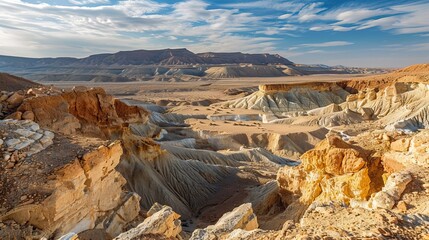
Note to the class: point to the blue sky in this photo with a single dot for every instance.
(353, 33)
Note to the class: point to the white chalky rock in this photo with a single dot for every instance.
(36, 136)
(24, 132)
(35, 148)
(12, 142)
(24, 144)
(34, 127)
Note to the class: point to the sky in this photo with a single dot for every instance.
(363, 33)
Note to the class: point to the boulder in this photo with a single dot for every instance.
(400, 145)
(28, 115)
(15, 116)
(396, 184)
(15, 100)
(241, 217)
(333, 171)
(126, 213)
(163, 224)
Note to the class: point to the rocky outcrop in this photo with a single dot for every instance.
(408, 150)
(163, 224)
(334, 171)
(243, 71)
(22, 139)
(80, 194)
(281, 98)
(241, 217)
(91, 112)
(391, 192)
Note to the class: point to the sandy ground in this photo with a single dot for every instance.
(247, 127)
(195, 91)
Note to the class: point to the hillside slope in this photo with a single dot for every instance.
(13, 83)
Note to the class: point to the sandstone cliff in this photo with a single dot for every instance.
(71, 193)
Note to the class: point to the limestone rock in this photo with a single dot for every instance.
(83, 192)
(390, 193)
(383, 200)
(125, 214)
(165, 223)
(333, 171)
(400, 145)
(92, 112)
(281, 98)
(155, 208)
(396, 184)
(241, 217)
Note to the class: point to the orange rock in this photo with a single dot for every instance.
(92, 112)
(400, 145)
(333, 171)
(15, 115)
(28, 115)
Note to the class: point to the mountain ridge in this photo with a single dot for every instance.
(178, 56)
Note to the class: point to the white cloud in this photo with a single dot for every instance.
(55, 30)
(327, 44)
(401, 19)
(86, 2)
(311, 12)
(289, 27)
(285, 16)
(291, 6)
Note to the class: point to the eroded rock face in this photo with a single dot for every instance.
(408, 150)
(332, 171)
(241, 217)
(80, 194)
(390, 194)
(280, 98)
(163, 224)
(91, 112)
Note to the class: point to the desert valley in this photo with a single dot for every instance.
(223, 156)
(214, 120)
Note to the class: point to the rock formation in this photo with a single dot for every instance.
(282, 99)
(241, 217)
(70, 193)
(162, 224)
(82, 164)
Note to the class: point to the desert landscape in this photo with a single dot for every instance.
(293, 157)
(214, 120)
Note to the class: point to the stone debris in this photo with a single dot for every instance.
(241, 217)
(23, 136)
(164, 223)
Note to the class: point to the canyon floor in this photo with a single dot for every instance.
(302, 157)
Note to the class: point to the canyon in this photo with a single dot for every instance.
(306, 157)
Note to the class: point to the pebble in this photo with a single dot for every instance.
(24, 144)
(24, 132)
(10, 165)
(6, 157)
(49, 134)
(36, 136)
(12, 142)
(1, 142)
(34, 127)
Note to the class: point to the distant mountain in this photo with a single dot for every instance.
(164, 64)
(238, 57)
(180, 56)
(144, 57)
